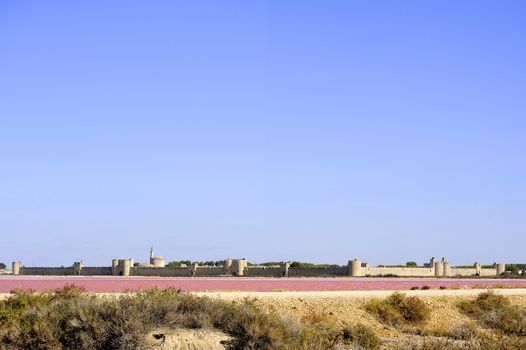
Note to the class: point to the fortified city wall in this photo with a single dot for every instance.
(240, 267)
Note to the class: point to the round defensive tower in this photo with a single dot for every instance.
(115, 267)
(125, 267)
(192, 269)
(439, 268)
(285, 269)
(16, 265)
(158, 261)
(356, 268)
(447, 267)
(478, 268)
(501, 268)
(239, 266)
(77, 267)
(228, 267)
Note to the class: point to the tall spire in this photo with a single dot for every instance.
(151, 253)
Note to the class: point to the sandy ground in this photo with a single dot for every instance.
(186, 339)
(343, 307)
(347, 308)
(358, 293)
(326, 295)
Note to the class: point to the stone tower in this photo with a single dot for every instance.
(156, 261)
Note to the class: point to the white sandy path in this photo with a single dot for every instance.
(360, 294)
(233, 295)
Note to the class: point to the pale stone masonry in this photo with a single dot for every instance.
(434, 268)
(240, 267)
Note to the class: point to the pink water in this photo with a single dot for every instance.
(195, 284)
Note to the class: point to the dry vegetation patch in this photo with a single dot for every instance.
(168, 319)
(446, 328)
(72, 319)
(361, 336)
(398, 309)
(497, 312)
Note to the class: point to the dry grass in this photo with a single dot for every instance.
(429, 343)
(72, 319)
(361, 336)
(398, 309)
(496, 311)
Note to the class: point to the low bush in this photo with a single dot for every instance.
(73, 319)
(420, 288)
(504, 343)
(495, 311)
(466, 332)
(398, 309)
(362, 336)
(485, 302)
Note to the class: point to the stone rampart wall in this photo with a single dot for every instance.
(473, 272)
(96, 271)
(46, 271)
(263, 271)
(160, 271)
(488, 272)
(238, 267)
(463, 271)
(209, 271)
(317, 271)
(399, 271)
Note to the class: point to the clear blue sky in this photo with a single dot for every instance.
(303, 130)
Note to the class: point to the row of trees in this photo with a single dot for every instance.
(297, 264)
(294, 264)
(183, 263)
(514, 269)
(407, 264)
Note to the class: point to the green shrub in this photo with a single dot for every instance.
(398, 309)
(496, 311)
(173, 264)
(70, 291)
(513, 269)
(178, 264)
(509, 321)
(504, 343)
(466, 332)
(362, 336)
(485, 302)
(69, 318)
